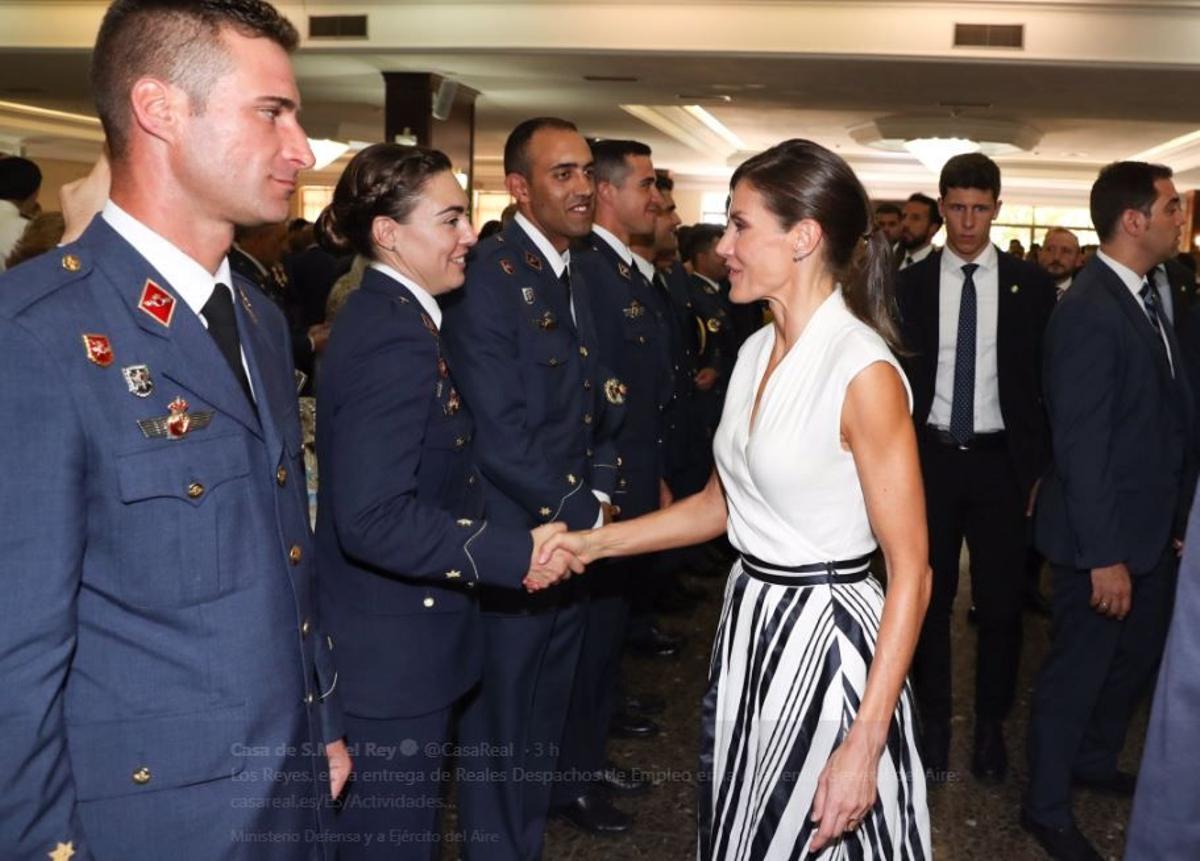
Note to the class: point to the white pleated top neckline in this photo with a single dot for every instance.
(793, 492)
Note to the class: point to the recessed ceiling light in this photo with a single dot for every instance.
(703, 97)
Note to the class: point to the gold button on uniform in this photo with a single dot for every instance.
(195, 490)
(281, 476)
(571, 479)
(295, 554)
(428, 602)
(309, 699)
(71, 263)
(583, 351)
(305, 627)
(141, 776)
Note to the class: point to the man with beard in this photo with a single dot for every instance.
(921, 221)
(169, 689)
(525, 353)
(1060, 257)
(887, 219)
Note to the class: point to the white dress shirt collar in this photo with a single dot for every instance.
(644, 266)
(616, 244)
(183, 274)
(708, 281)
(987, 259)
(920, 254)
(558, 262)
(428, 304)
(1128, 277)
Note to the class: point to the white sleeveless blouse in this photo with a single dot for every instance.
(793, 492)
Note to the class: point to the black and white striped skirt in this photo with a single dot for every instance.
(789, 668)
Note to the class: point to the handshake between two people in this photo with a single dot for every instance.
(557, 554)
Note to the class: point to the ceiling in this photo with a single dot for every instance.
(1091, 108)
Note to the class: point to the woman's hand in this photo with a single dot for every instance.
(845, 790)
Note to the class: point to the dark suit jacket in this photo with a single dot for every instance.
(311, 274)
(630, 317)
(401, 538)
(1026, 297)
(160, 639)
(1122, 429)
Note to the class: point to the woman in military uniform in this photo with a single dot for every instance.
(401, 538)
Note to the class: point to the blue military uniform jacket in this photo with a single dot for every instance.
(632, 326)
(688, 448)
(544, 408)
(161, 656)
(401, 538)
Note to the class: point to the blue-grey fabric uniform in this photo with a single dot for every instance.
(402, 547)
(527, 363)
(718, 346)
(687, 450)
(168, 685)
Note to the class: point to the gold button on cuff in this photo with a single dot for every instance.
(295, 554)
(281, 476)
(195, 490)
(305, 627)
(428, 602)
(141, 776)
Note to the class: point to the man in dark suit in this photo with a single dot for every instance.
(1121, 414)
(920, 224)
(522, 342)
(169, 688)
(973, 318)
(1060, 257)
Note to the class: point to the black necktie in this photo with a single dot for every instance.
(907, 261)
(565, 279)
(962, 406)
(222, 325)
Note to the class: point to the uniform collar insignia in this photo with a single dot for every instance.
(507, 266)
(533, 261)
(157, 303)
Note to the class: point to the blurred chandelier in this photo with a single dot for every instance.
(933, 139)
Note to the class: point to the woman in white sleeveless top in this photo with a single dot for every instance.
(808, 723)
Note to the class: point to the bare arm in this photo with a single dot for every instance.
(879, 433)
(697, 518)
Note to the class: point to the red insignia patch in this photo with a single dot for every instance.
(158, 303)
(99, 350)
(507, 266)
(533, 261)
(429, 324)
(178, 422)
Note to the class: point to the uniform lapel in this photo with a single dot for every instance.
(274, 392)
(186, 353)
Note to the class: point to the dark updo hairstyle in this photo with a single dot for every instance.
(800, 180)
(384, 179)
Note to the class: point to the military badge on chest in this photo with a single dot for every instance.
(137, 378)
(615, 391)
(177, 424)
(635, 310)
(99, 350)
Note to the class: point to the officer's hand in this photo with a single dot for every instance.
(1112, 591)
(706, 378)
(339, 766)
(547, 569)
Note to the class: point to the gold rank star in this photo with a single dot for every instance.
(62, 852)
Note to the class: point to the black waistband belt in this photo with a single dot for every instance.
(993, 440)
(814, 574)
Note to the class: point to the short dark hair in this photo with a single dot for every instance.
(611, 159)
(516, 148)
(970, 170)
(383, 179)
(297, 224)
(800, 179)
(178, 42)
(887, 209)
(700, 238)
(20, 178)
(662, 179)
(935, 214)
(1120, 186)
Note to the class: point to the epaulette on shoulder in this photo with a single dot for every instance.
(35, 279)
